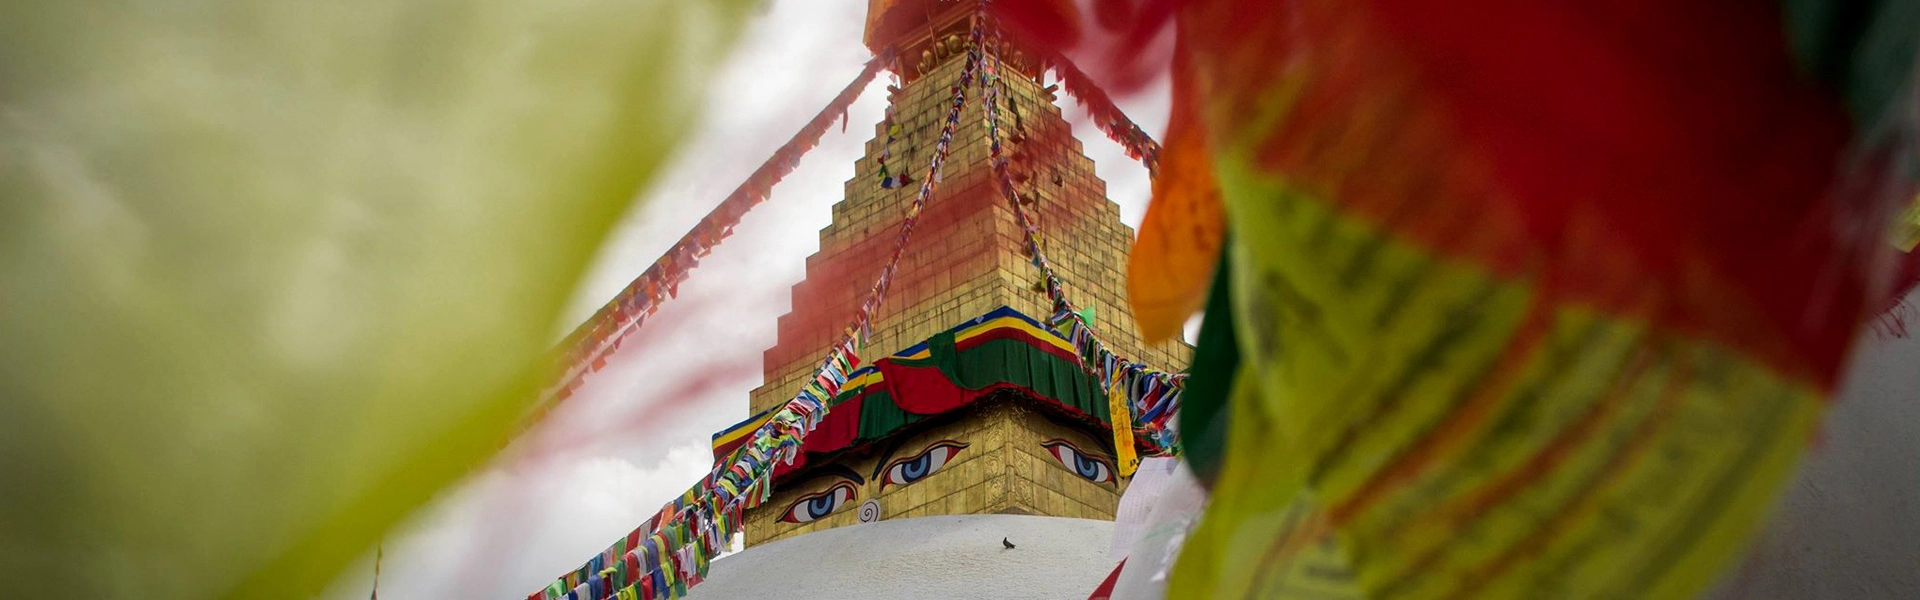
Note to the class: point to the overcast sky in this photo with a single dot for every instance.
(598, 467)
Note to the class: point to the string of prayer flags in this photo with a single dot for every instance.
(1105, 115)
(886, 151)
(889, 179)
(585, 350)
(670, 553)
(1153, 396)
(1147, 397)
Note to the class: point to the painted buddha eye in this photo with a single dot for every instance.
(1078, 462)
(807, 509)
(909, 470)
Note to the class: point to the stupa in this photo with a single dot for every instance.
(968, 403)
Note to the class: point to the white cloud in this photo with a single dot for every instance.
(510, 531)
(637, 433)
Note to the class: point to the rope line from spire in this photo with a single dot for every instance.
(1107, 116)
(1149, 396)
(586, 349)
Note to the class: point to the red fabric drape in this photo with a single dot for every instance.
(921, 390)
(838, 429)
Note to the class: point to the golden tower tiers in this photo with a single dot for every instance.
(965, 404)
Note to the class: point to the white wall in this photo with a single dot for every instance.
(1849, 528)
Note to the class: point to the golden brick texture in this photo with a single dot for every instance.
(965, 258)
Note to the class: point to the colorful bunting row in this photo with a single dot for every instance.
(670, 553)
(1151, 396)
(585, 350)
(887, 179)
(1108, 117)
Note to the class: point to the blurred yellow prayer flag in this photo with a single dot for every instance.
(275, 273)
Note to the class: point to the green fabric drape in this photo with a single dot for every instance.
(981, 368)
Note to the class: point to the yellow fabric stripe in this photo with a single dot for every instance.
(1009, 322)
(741, 433)
(864, 380)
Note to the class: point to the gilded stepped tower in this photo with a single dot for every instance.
(1020, 429)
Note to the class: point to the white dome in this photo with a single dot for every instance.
(958, 556)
